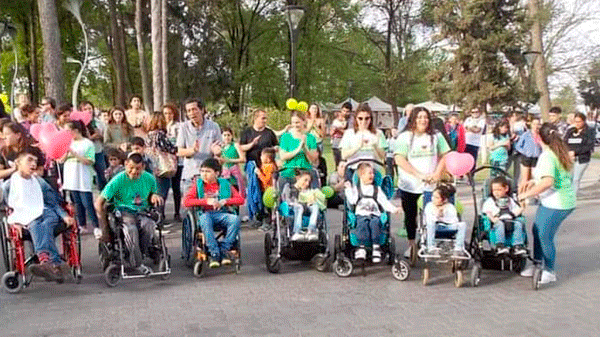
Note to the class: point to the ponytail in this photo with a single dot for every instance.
(551, 137)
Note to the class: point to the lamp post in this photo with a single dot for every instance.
(74, 6)
(294, 15)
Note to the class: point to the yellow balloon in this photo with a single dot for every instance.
(302, 106)
(291, 104)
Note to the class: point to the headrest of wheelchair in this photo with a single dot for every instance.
(284, 209)
(377, 181)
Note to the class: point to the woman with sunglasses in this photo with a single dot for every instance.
(419, 154)
(362, 141)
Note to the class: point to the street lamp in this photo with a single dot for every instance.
(531, 56)
(294, 15)
(74, 6)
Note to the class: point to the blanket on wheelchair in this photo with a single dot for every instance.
(254, 200)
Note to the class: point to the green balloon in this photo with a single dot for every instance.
(269, 197)
(328, 191)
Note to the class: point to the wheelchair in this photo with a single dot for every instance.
(117, 256)
(17, 258)
(194, 250)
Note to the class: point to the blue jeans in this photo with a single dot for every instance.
(42, 234)
(578, 170)
(368, 229)
(100, 167)
(217, 220)
(84, 204)
(459, 227)
(298, 214)
(546, 225)
(499, 229)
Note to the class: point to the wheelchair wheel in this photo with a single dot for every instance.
(273, 263)
(475, 275)
(342, 267)
(187, 240)
(112, 275)
(519, 264)
(12, 282)
(537, 277)
(459, 278)
(199, 268)
(400, 269)
(321, 262)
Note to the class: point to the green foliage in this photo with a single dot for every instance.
(567, 100)
(589, 87)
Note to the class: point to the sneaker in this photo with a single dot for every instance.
(459, 253)
(43, 270)
(144, 270)
(528, 272)
(312, 236)
(376, 256)
(213, 262)
(297, 237)
(360, 254)
(97, 233)
(245, 218)
(500, 249)
(547, 277)
(519, 250)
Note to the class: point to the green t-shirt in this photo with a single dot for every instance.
(288, 143)
(128, 193)
(561, 195)
(499, 154)
(230, 152)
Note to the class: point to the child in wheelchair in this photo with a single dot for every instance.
(213, 195)
(369, 202)
(304, 200)
(438, 214)
(503, 212)
(35, 206)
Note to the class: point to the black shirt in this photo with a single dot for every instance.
(267, 139)
(581, 142)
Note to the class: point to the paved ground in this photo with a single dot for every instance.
(303, 302)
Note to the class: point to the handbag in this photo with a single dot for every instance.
(164, 165)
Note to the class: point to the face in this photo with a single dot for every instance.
(133, 170)
(65, 117)
(169, 114)
(303, 181)
(264, 158)
(136, 103)
(553, 117)
(208, 174)
(114, 161)
(118, 116)
(344, 112)
(73, 131)
(499, 190)
(363, 119)
(137, 149)
(422, 121)
(34, 117)
(11, 138)
(367, 175)
(535, 125)
(105, 117)
(453, 120)
(341, 168)
(194, 113)
(503, 129)
(45, 105)
(437, 199)
(394, 132)
(313, 110)
(88, 108)
(23, 99)
(27, 165)
(475, 113)
(297, 123)
(579, 123)
(227, 137)
(260, 121)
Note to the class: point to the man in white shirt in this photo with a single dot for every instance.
(474, 128)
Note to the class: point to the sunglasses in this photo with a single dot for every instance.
(363, 118)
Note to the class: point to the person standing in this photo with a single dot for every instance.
(171, 114)
(338, 126)
(456, 133)
(257, 137)
(580, 140)
(48, 104)
(404, 120)
(137, 117)
(96, 134)
(474, 127)
(118, 132)
(555, 118)
(315, 124)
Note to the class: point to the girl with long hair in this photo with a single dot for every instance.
(118, 131)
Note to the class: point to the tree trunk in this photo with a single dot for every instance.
(164, 51)
(124, 56)
(141, 54)
(155, 8)
(117, 55)
(541, 78)
(53, 69)
(33, 57)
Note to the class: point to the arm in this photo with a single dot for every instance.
(241, 156)
(285, 156)
(82, 159)
(320, 123)
(406, 166)
(235, 199)
(515, 208)
(182, 149)
(544, 184)
(351, 193)
(384, 202)
(7, 172)
(191, 198)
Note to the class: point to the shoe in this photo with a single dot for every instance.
(312, 236)
(528, 272)
(144, 270)
(58, 274)
(360, 254)
(547, 277)
(245, 218)
(459, 253)
(297, 237)
(97, 233)
(376, 256)
(519, 250)
(44, 270)
(500, 249)
(213, 262)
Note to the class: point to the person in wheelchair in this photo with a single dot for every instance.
(369, 202)
(440, 213)
(501, 210)
(304, 200)
(36, 207)
(213, 194)
(131, 192)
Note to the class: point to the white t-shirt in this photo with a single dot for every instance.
(78, 176)
(489, 206)
(352, 138)
(340, 126)
(25, 198)
(472, 138)
(449, 214)
(423, 153)
(368, 206)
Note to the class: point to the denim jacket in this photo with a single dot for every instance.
(53, 201)
(527, 146)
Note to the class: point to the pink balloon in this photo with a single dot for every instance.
(46, 134)
(61, 142)
(83, 116)
(35, 131)
(459, 164)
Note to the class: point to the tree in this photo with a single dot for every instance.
(589, 87)
(567, 100)
(118, 55)
(53, 69)
(541, 77)
(164, 50)
(157, 73)
(139, 14)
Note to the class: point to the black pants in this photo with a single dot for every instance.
(335, 201)
(337, 156)
(409, 206)
(472, 150)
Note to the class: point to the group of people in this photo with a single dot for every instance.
(136, 158)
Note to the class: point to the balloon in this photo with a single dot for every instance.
(35, 131)
(269, 197)
(328, 191)
(83, 116)
(302, 106)
(291, 104)
(459, 164)
(47, 131)
(61, 142)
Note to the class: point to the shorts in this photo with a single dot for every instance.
(528, 161)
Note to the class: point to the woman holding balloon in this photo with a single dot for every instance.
(420, 156)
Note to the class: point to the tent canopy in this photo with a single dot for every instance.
(377, 105)
(433, 106)
(349, 99)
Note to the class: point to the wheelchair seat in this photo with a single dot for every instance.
(443, 233)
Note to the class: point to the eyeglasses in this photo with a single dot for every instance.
(363, 118)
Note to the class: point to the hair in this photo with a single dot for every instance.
(195, 100)
(411, 124)
(173, 108)
(501, 123)
(227, 129)
(363, 166)
(116, 153)
(50, 100)
(157, 122)
(34, 151)
(551, 137)
(79, 126)
(139, 141)
(84, 103)
(24, 141)
(3, 122)
(555, 110)
(127, 129)
(27, 110)
(302, 173)
(63, 109)
(136, 158)
(269, 152)
(212, 164)
(580, 115)
(138, 97)
(347, 105)
(499, 180)
(298, 114)
(364, 107)
(446, 191)
(319, 114)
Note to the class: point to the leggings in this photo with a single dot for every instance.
(409, 206)
(547, 221)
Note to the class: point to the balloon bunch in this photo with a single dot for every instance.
(293, 104)
(53, 142)
(459, 164)
(271, 194)
(82, 116)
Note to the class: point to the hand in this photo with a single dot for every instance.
(19, 229)
(255, 140)
(256, 171)
(212, 202)
(397, 210)
(196, 146)
(221, 160)
(347, 184)
(123, 147)
(156, 200)
(572, 155)
(69, 221)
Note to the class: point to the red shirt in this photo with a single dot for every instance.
(191, 198)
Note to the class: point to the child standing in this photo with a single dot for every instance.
(440, 213)
(115, 163)
(499, 146)
(500, 207)
(265, 176)
(304, 199)
(369, 202)
(231, 156)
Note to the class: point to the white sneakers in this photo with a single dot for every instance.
(528, 272)
(97, 233)
(376, 256)
(360, 254)
(297, 237)
(546, 278)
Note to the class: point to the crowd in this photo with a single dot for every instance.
(135, 158)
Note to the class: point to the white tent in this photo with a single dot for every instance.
(377, 105)
(434, 106)
(354, 103)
